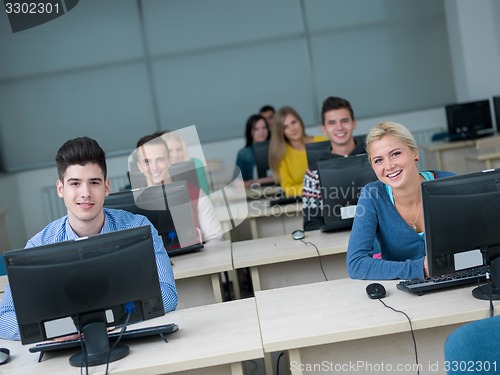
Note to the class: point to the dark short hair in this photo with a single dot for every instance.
(266, 108)
(153, 139)
(332, 103)
(252, 120)
(80, 151)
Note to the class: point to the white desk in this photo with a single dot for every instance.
(447, 156)
(197, 275)
(463, 156)
(336, 322)
(212, 339)
(484, 159)
(260, 219)
(282, 261)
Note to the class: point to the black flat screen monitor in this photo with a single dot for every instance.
(168, 207)
(261, 155)
(91, 283)
(341, 181)
(462, 222)
(470, 120)
(317, 151)
(496, 106)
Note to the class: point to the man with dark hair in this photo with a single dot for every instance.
(338, 125)
(83, 185)
(267, 111)
(153, 162)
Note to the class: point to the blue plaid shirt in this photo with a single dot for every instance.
(60, 230)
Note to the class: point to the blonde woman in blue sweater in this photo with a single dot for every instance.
(390, 209)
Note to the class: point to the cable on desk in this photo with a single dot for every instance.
(278, 363)
(319, 257)
(484, 252)
(411, 330)
(124, 328)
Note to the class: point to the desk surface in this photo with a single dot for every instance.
(208, 336)
(340, 310)
(445, 145)
(262, 208)
(284, 248)
(215, 257)
(241, 210)
(483, 155)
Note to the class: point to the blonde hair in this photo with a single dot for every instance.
(394, 129)
(278, 139)
(172, 136)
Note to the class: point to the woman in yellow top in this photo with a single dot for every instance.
(287, 150)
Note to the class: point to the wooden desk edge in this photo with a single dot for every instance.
(396, 327)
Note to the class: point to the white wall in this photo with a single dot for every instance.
(474, 35)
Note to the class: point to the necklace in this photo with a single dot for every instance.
(413, 223)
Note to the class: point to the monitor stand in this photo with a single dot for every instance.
(486, 292)
(489, 290)
(97, 350)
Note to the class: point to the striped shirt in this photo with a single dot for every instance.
(60, 230)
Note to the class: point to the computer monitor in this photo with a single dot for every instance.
(261, 155)
(91, 283)
(317, 151)
(496, 106)
(469, 120)
(341, 180)
(168, 207)
(462, 222)
(184, 171)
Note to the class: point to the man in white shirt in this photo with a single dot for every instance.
(153, 161)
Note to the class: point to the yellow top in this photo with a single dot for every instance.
(293, 167)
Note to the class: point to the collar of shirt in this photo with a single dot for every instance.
(71, 235)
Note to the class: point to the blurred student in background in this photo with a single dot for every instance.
(338, 125)
(178, 151)
(267, 111)
(287, 150)
(256, 130)
(153, 160)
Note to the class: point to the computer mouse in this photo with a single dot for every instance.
(4, 355)
(298, 234)
(375, 290)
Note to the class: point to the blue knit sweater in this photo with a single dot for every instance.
(402, 249)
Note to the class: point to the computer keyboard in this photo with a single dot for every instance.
(160, 330)
(184, 250)
(284, 200)
(421, 286)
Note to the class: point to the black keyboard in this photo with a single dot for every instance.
(185, 250)
(284, 200)
(465, 277)
(128, 334)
